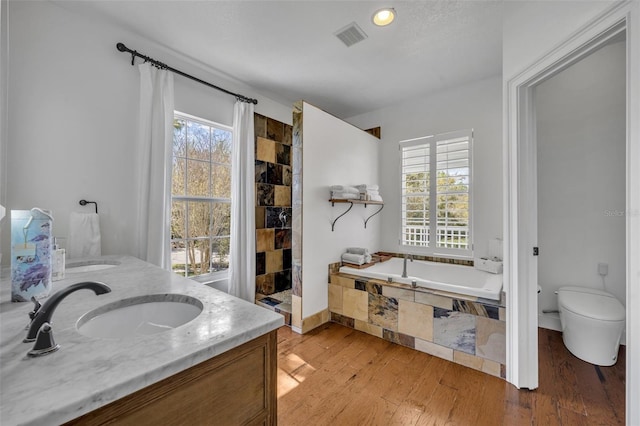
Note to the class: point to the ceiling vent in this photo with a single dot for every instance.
(351, 34)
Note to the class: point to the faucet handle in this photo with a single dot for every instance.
(36, 307)
(33, 313)
(44, 342)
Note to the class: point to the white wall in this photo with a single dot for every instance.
(581, 175)
(72, 109)
(532, 28)
(477, 106)
(334, 153)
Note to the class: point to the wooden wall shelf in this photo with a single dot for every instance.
(351, 203)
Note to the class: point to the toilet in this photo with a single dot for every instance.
(592, 324)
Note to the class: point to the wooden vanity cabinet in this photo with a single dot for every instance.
(237, 387)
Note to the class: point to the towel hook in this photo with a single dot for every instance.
(85, 202)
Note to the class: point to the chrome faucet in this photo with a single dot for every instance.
(404, 265)
(41, 317)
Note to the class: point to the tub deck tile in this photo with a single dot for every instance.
(383, 311)
(476, 308)
(454, 330)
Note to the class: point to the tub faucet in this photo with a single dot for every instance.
(45, 312)
(404, 264)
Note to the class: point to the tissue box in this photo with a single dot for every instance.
(488, 265)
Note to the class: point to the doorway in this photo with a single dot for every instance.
(520, 228)
(580, 150)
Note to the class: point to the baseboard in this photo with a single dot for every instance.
(315, 320)
(549, 321)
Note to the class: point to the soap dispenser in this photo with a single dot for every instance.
(57, 261)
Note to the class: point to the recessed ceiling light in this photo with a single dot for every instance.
(384, 16)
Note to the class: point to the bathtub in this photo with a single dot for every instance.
(459, 279)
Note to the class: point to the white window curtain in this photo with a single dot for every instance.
(242, 257)
(155, 139)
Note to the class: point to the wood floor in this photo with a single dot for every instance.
(339, 376)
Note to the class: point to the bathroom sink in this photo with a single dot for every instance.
(90, 266)
(137, 316)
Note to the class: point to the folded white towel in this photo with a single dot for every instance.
(375, 198)
(364, 187)
(357, 259)
(344, 188)
(344, 196)
(371, 192)
(357, 250)
(84, 235)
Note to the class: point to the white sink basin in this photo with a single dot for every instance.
(142, 315)
(89, 266)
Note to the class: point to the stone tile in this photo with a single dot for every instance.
(434, 349)
(383, 311)
(261, 172)
(261, 268)
(274, 261)
(274, 174)
(260, 217)
(467, 360)
(275, 130)
(286, 259)
(273, 217)
(296, 276)
(266, 150)
(398, 338)
(374, 330)
(415, 319)
(282, 280)
(491, 342)
(315, 320)
(264, 240)
(264, 194)
(286, 175)
(287, 137)
(434, 300)
(502, 314)
(282, 238)
(282, 196)
(454, 330)
(265, 284)
(260, 125)
(476, 308)
(335, 298)
(296, 311)
(343, 281)
(334, 268)
(491, 367)
(341, 319)
(355, 304)
(373, 287)
(398, 293)
(283, 154)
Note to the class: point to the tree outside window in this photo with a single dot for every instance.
(201, 196)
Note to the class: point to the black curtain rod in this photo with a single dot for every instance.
(122, 48)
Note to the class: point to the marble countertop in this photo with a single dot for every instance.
(87, 373)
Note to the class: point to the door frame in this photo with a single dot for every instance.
(520, 196)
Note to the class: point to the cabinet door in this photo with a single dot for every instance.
(237, 387)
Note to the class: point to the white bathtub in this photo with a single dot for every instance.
(437, 276)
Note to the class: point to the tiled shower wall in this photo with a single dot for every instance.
(273, 205)
(464, 330)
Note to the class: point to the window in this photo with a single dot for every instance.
(200, 196)
(436, 193)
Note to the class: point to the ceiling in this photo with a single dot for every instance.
(287, 50)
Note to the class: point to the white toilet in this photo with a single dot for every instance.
(592, 324)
